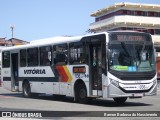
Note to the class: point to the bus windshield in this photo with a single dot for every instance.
(131, 56)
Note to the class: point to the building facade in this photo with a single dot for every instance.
(12, 42)
(128, 16)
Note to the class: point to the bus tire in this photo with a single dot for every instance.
(120, 100)
(26, 90)
(81, 94)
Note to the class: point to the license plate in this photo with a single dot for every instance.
(138, 95)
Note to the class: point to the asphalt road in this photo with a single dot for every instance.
(13, 101)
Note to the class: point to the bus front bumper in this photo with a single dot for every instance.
(132, 90)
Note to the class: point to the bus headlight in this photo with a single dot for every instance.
(154, 82)
(114, 82)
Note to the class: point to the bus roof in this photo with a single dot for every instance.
(49, 41)
(57, 40)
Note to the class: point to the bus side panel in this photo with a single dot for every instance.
(56, 88)
(105, 85)
(66, 89)
(68, 77)
(35, 87)
(40, 78)
(48, 88)
(44, 87)
(66, 80)
(6, 78)
(78, 76)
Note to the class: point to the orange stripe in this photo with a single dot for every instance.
(68, 74)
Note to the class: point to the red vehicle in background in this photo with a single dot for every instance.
(157, 47)
(0, 78)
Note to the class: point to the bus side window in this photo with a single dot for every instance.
(60, 54)
(23, 57)
(77, 54)
(45, 55)
(6, 59)
(32, 54)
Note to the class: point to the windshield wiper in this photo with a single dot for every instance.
(125, 49)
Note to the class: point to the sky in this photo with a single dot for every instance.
(39, 19)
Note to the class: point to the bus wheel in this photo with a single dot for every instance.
(81, 93)
(26, 90)
(120, 100)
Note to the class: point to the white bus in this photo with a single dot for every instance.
(118, 65)
(1, 47)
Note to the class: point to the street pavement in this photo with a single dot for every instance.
(15, 101)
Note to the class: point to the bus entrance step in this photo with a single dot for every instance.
(94, 96)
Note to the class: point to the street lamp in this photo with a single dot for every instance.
(12, 28)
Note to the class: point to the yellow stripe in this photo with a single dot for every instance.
(68, 74)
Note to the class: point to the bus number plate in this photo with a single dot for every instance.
(138, 95)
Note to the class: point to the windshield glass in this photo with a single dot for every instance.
(131, 56)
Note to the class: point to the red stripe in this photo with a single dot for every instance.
(62, 73)
(58, 69)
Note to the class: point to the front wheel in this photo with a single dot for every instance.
(120, 100)
(26, 90)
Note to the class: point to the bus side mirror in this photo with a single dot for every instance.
(108, 54)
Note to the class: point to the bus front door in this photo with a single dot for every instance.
(96, 68)
(14, 72)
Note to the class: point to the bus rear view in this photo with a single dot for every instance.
(131, 65)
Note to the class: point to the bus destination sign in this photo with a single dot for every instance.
(129, 37)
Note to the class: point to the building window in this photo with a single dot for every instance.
(139, 13)
(151, 31)
(23, 58)
(135, 12)
(157, 31)
(6, 59)
(123, 28)
(60, 54)
(126, 12)
(97, 19)
(145, 13)
(76, 53)
(32, 54)
(119, 12)
(45, 55)
(145, 30)
(157, 49)
(129, 12)
(154, 14)
(128, 28)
